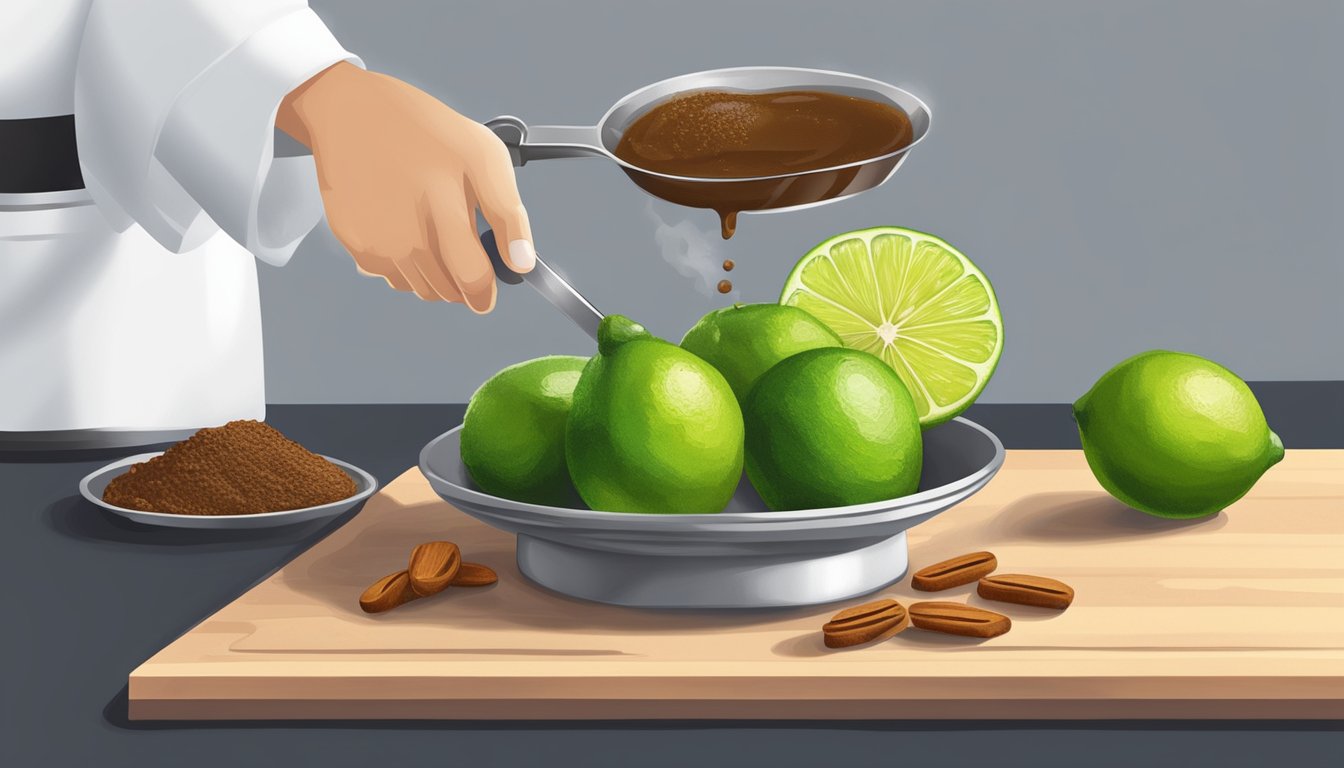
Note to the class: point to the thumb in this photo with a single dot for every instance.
(497, 195)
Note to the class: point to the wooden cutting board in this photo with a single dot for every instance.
(1236, 616)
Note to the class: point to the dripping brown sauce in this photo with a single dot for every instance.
(747, 136)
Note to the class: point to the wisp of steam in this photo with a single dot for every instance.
(694, 252)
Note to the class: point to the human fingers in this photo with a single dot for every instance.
(457, 251)
(388, 274)
(492, 183)
(432, 268)
(410, 273)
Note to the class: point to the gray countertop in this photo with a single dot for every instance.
(90, 596)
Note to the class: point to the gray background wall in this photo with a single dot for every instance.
(1129, 174)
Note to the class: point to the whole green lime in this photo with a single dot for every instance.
(1175, 435)
(829, 428)
(513, 435)
(653, 429)
(745, 340)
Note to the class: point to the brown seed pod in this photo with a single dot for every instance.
(865, 623)
(433, 566)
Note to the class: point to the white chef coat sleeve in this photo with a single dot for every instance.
(175, 104)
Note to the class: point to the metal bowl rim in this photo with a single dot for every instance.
(645, 521)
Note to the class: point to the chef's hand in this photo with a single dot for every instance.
(402, 176)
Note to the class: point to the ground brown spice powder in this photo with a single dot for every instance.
(241, 468)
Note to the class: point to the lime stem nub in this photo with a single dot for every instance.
(1276, 448)
(615, 330)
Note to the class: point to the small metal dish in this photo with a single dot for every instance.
(743, 557)
(93, 485)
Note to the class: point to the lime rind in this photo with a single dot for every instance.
(913, 300)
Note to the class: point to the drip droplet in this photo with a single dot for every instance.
(727, 223)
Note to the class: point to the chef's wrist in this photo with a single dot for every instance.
(302, 111)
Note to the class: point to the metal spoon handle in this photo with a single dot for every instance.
(545, 142)
(550, 285)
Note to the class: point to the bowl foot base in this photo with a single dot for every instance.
(654, 581)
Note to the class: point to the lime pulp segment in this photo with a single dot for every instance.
(912, 300)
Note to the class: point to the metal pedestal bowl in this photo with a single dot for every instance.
(743, 557)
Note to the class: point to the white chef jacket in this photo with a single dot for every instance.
(131, 306)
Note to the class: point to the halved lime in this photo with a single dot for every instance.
(912, 300)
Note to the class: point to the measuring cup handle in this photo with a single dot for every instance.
(544, 142)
